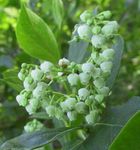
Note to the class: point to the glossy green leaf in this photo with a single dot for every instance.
(10, 77)
(129, 136)
(35, 37)
(36, 139)
(118, 47)
(115, 117)
(58, 11)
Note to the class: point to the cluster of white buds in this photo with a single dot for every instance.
(33, 125)
(80, 88)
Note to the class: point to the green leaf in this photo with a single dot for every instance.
(129, 136)
(103, 135)
(78, 51)
(10, 77)
(36, 139)
(118, 47)
(58, 11)
(35, 37)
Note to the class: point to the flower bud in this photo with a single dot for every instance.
(96, 29)
(99, 82)
(22, 100)
(73, 79)
(63, 62)
(92, 117)
(104, 91)
(99, 98)
(59, 113)
(33, 125)
(85, 16)
(30, 109)
(60, 74)
(29, 84)
(90, 100)
(40, 90)
(108, 54)
(21, 76)
(98, 40)
(110, 28)
(106, 14)
(37, 74)
(46, 66)
(83, 93)
(96, 73)
(84, 31)
(88, 68)
(106, 66)
(50, 110)
(72, 115)
(84, 78)
(81, 108)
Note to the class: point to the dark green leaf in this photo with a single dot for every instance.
(10, 77)
(103, 135)
(129, 136)
(58, 11)
(36, 139)
(78, 51)
(35, 36)
(118, 47)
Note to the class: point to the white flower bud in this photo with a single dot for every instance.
(40, 90)
(88, 68)
(99, 82)
(22, 100)
(83, 93)
(37, 74)
(92, 117)
(60, 74)
(108, 54)
(96, 73)
(84, 31)
(30, 109)
(34, 102)
(46, 66)
(104, 91)
(98, 40)
(50, 110)
(84, 78)
(110, 28)
(73, 79)
(21, 76)
(63, 62)
(106, 66)
(106, 14)
(72, 115)
(85, 16)
(33, 125)
(29, 84)
(68, 104)
(59, 113)
(99, 98)
(81, 107)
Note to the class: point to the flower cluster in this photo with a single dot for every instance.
(68, 90)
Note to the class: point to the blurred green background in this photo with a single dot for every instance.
(126, 12)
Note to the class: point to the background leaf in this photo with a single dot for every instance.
(10, 76)
(129, 136)
(36, 139)
(35, 36)
(103, 135)
(118, 47)
(58, 11)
